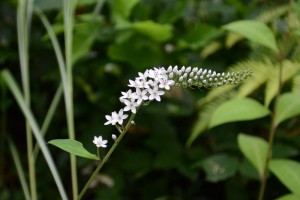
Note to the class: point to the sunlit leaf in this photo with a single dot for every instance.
(288, 197)
(255, 31)
(73, 147)
(238, 110)
(198, 36)
(121, 9)
(156, 31)
(255, 150)
(288, 172)
(288, 106)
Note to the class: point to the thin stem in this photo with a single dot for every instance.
(270, 140)
(98, 7)
(23, 25)
(19, 168)
(117, 141)
(68, 23)
(3, 132)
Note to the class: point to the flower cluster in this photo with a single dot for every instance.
(153, 83)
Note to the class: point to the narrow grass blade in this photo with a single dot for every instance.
(49, 115)
(19, 168)
(11, 83)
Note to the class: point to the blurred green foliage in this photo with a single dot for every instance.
(170, 153)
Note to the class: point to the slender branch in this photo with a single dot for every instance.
(271, 139)
(102, 162)
(24, 13)
(68, 23)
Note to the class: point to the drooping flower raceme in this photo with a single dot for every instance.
(153, 83)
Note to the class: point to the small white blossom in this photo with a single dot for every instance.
(99, 142)
(113, 136)
(165, 83)
(120, 117)
(135, 83)
(111, 119)
(130, 105)
(140, 95)
(143, 76)
(126, 95)
(155, 93)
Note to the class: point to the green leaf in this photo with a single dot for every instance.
(255, 31)
(156, 31)
(219, 167)
(238, 110)
(199, 36)
(288, 197)
(136, 51)
(83, 39)
(288, 172)
(73, 147)
(288, 106)
(255, 150)
(121, 9)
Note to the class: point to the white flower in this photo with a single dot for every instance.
(126, 95)
(155, 93)
(140, 95)
(157, 73)
(111, 119)
(120, 117)
(130, 105)
(143, 84)
(165, 83)
(143, 76)
(113, 136)
(99, 142)
(135, 83)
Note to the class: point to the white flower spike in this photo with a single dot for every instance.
(153, 83)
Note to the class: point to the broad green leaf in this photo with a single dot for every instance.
(288, 172)
(238, 110)
(288, 106)
(219, 167)
(156, 31)
(83, 39)
(255, 31)
(288, 197)
(73, 147)
(255, 150)
(121, 9)
(136, 51)
(198, 36)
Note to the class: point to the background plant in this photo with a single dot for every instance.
(114, 40)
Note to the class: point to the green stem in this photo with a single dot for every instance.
(98, 7)
(102, 162)
(2, 132)
(23, 26)
(68, 23)
(270, 140)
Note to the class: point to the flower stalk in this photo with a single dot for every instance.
(150, 86)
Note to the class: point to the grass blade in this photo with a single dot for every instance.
(19, 168)
(11, 83)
